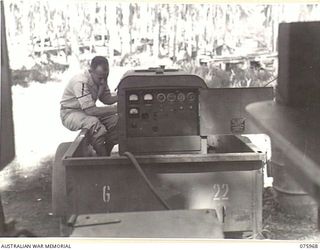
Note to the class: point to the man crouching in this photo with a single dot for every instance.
(79, 110)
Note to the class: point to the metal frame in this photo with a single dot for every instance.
(250, 164)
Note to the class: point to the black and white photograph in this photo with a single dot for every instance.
(160, 120)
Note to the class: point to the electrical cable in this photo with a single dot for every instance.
(135, 163)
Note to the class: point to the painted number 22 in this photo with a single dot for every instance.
(220, 192)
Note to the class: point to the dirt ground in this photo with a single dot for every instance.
(28, 201)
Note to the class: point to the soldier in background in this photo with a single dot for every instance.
(79, 110)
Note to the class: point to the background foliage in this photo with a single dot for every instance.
(55, 35)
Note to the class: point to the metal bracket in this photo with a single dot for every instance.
(221, 213)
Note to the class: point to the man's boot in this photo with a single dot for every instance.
(108, 148)
(100, 149)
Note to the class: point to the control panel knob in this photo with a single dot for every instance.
(181, 97)
(171, 97)
(191, 96)
(161, 97)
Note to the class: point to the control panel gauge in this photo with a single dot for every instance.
(133, 111)
(151, 112)
(161, 97)
(181, 97)
(191, 96)
(148, 97)
(133, 98)
(171, 97)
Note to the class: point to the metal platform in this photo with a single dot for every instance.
(154, 224)
(229, 181)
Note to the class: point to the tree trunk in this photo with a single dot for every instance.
(155, 33)
(275, 27)
(112, 27)
(175, 31)
(74, 61)
(130, 26)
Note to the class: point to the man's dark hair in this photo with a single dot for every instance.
(98, 60)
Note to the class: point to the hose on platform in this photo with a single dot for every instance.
(135, 163)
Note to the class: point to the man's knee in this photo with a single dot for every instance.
(89, 122)
(100, 132)
(109, 121)
(97, 130)
(79, 120)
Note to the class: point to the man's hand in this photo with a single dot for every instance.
(97, 111)
(113, 99)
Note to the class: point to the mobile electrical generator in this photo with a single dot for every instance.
(184, 168)
(159, 112)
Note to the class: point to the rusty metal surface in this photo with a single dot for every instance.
(155, 224)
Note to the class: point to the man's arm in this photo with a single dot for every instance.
(98, 111)
(109, 99)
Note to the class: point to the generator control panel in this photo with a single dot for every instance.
(162, 112)
(159, 112)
